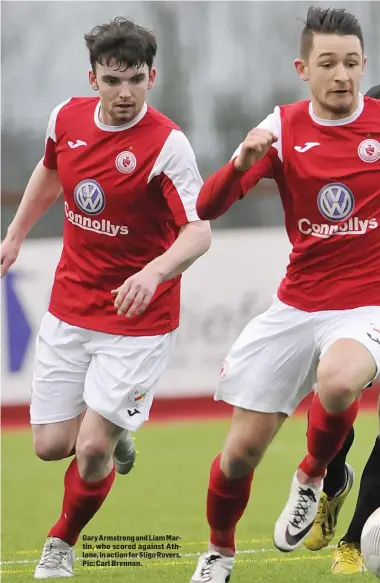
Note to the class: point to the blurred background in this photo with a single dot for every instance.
(222, 67)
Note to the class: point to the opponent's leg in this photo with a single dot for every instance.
(347, 558)
(335, 479)
(337, 485)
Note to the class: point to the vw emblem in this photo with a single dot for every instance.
(89, 197)
(335, 202)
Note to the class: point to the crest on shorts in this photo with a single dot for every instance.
(126, 162)
(139, 396)
(377, 332)
(369, 150)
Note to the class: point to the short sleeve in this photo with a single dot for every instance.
(50, 156)
(272, 123)
(179, 176)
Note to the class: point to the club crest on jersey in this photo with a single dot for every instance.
(369, 150)
(335, 202)
(126, 162)
(89, 197)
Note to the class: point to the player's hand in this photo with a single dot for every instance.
(9, 251)
(254, 147)
(133, 297)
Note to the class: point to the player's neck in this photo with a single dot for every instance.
(324, 113)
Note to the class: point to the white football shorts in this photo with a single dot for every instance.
(272, 365)
(115, 376)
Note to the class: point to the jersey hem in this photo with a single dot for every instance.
(88, 324)
(327, 306)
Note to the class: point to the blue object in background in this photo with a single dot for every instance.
(19, 330)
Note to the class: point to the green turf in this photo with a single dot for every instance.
(165, 495)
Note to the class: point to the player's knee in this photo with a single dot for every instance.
(92, 450)
(49, 451)
(235, 467)
(336, 383)
(240, 459)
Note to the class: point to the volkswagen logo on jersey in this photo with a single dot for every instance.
(126, 162)
(335, 201)
(89, 197)
(369, 150)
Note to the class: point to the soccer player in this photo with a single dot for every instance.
(130, 183)
(337, 485)
(324, 324)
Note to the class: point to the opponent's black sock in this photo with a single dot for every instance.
(368, 497)
(336, 477)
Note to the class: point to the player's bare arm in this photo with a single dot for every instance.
(134, 296)
(254, 148)
(42, 191)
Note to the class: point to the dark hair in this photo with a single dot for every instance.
(374, 92)
(328, 21)
(123, 42)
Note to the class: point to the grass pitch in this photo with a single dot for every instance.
(164, 497)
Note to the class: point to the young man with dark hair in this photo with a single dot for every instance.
(324, 324)
(322, 21)
(337, 485)
(130, 182)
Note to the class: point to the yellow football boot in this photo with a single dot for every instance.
(347, 559)
(323, 529)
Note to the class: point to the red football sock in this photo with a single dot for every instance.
(81, 501)
(226, 502)
(325, 436)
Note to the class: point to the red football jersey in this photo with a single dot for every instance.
(127, 191)
(328, 175)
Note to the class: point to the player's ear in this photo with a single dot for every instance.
(92, 80)
(152, 76)
(301, 69)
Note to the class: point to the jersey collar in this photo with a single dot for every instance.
(338, 122)
(126, 126)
